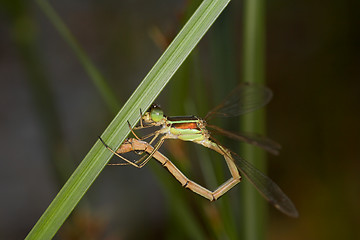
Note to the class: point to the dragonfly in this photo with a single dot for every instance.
(243, 99)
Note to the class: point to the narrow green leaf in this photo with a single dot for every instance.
(116, 132)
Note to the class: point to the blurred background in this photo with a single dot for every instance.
(51, 114)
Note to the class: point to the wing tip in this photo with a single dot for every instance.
(290, 209)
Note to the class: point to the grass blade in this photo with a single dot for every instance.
(144, 95)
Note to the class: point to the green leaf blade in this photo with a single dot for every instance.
(118, 129)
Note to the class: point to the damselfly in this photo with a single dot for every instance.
(245, 98)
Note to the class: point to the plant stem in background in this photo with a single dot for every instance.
(90, 68)
(254, 218)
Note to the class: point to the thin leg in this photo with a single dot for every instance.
(140, 127)
(143, 160)
(137, 162)
(143, 126)
(155, 134)
(118, 164)
(132, 131)
(126, 148)
(157, 146)
(141, 120)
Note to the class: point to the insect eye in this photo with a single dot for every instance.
(156, 114)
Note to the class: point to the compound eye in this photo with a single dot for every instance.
(156, 113)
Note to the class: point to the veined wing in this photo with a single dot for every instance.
(243, 99)
(251, 138)
(267, 188)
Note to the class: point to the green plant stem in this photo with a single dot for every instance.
(118, 129)
(253, 63)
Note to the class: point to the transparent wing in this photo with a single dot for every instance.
(251, 138)
(243, 99)
(267, 188)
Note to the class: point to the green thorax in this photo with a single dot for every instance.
(187, 128)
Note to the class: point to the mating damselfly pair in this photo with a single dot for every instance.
(244, 99)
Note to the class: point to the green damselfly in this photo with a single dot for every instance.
(245, 98)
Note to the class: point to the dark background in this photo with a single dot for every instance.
(51, 113)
